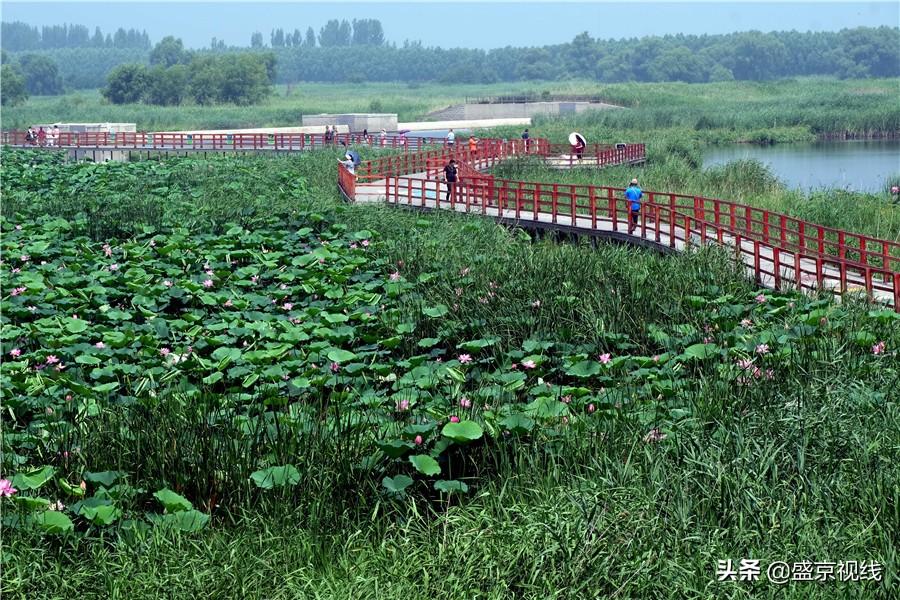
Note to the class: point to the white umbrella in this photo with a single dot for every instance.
(575, 137)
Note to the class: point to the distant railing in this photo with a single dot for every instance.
(521, 99)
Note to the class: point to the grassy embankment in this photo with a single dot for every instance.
(790, 110)
(678, 466)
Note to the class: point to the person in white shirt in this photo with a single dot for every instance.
(451, 138)
(383, 137)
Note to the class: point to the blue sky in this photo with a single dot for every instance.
(457, 24)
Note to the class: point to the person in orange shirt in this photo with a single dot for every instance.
(473, 144)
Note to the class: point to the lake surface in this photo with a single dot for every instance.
(856, 166)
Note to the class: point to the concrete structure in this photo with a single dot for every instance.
(467, 124)
(515, 110)
(318, 129)
(355, 121)
(101, 156)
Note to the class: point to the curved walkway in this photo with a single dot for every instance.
(779, 251)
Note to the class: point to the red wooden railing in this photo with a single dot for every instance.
(782, 251)
(217, 141)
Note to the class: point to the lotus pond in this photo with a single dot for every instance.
(177, 375)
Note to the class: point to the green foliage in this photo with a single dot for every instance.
(13, 90)
(240, 79)
(569, 462)
(126, 84)
(41, 75)
(169, 52)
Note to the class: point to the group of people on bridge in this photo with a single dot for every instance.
(42, 137)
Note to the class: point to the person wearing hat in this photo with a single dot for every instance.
(349, 164)
(633, 194)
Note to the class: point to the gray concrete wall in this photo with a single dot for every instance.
(355, 121)
(92, 127)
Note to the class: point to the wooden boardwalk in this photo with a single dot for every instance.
(659, 227)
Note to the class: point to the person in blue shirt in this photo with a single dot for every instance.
(633, 194)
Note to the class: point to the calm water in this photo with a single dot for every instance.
(856, 166)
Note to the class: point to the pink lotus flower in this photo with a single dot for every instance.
(31, 307)
(335, 367)
(591, 408)
(746, 323)
(353, 246)
(605, 358)
(167, 283)
(18, 290)
(654, 435)
(153, 243)
(283, 286)
(6, 488)
(464, 358)
(254, 279)
(760, 299)
(878, 348)
(15, 353)
(566, 399)
(656, 358)
(288, 306)
(465, 402)
(514, 366)
(100, 345)
(107, 250)
(17, 270)
(403, 405)
(762, 349)
(228, 303)
(528, 364)
(454, 419)
(19, 227)
(58, 505)
(52, 360)
(114, 267)
(68, 397)
(24, 258)
(365, 243)
(207, 283)
(164, 351)
(418, 440)
(744, 363)
(395, 276)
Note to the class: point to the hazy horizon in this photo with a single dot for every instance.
(472, 25)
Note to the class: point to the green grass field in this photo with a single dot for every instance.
(790, 110)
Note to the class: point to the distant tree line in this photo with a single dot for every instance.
(18, 36)
(29, 74)
(365, 56)
(176, 75)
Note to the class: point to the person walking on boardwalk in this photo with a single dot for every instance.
(451, 139)
(473, 145)
(451, 175)
(525, 138)
(633, 194)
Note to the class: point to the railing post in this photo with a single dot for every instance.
(776, 260)
(614, 214)
(592, 191)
